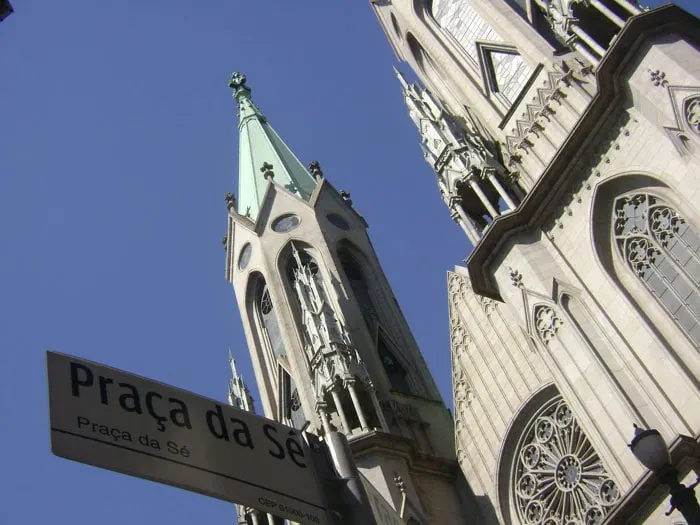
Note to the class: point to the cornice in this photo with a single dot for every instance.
(555, 180)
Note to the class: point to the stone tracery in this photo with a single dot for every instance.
(558, 478)
(663, 251)
(547, 323)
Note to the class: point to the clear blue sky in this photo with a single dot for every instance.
(117, 144)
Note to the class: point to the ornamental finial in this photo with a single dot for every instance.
(237, 83)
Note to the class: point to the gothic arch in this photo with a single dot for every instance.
(267, 338)
(647, 242)
(375, 306)
(285, 263)
(422, 9)
(542, 461)
(593, 337)
(286, 266)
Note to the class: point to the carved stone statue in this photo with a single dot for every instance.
(230, 200)
(346, 196)
(315, 169)
(224, 240)
(266, 170)
(237, 80)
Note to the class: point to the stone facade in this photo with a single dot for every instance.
(578, 311)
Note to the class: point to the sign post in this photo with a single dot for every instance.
(133, 425)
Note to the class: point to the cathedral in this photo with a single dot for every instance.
(565, 140)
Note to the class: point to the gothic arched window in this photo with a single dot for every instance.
(357, 283)
(269, 322)
(395, 372)
(663, 251)
(291, 402)
(556, 475)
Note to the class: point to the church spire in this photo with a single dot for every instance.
(263, 156)
(238, 393)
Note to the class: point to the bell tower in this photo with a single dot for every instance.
(330, 347)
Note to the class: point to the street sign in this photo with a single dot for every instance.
(126, 423)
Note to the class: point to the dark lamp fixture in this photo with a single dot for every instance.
(650, 449)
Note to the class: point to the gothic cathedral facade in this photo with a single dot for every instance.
(565, 137)
(330, 347)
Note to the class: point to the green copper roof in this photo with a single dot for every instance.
(263, 154)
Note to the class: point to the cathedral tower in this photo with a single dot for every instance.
(565, 138)
(329, 344)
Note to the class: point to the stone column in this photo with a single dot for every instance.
(357, 405)
(588, 39)
(633, 9)
(341, 412)
(461, 218)
(619, 22)
(482, 197)
(586, 54)
(377, 407)
(324, 420)
(501, 190)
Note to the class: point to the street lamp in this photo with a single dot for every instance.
(650, 449)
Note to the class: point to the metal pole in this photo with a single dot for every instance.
(357, 511)
(682, 497)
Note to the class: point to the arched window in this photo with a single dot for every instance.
(551, 470)
(290, 400)
(663, 251)
(269, 322)
(357, 282)
(395, 372)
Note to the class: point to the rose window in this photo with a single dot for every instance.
(558, 476)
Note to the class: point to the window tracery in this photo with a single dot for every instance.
(269, 323)
(692, 114)
(547, 323)
(558, 477)
(663, 251)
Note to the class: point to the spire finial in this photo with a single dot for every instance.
(237, 82)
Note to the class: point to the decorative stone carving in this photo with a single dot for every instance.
(462, 390)
(658, 78)
(488, 305)
(613, 142)
(692, 114)
(266, 170)
(558, 477)
(230, 200)
(346, 197)
(224, 241)
(685, 131)
(400, 483)
(516, 277)
(547, 323)
(315, 169)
